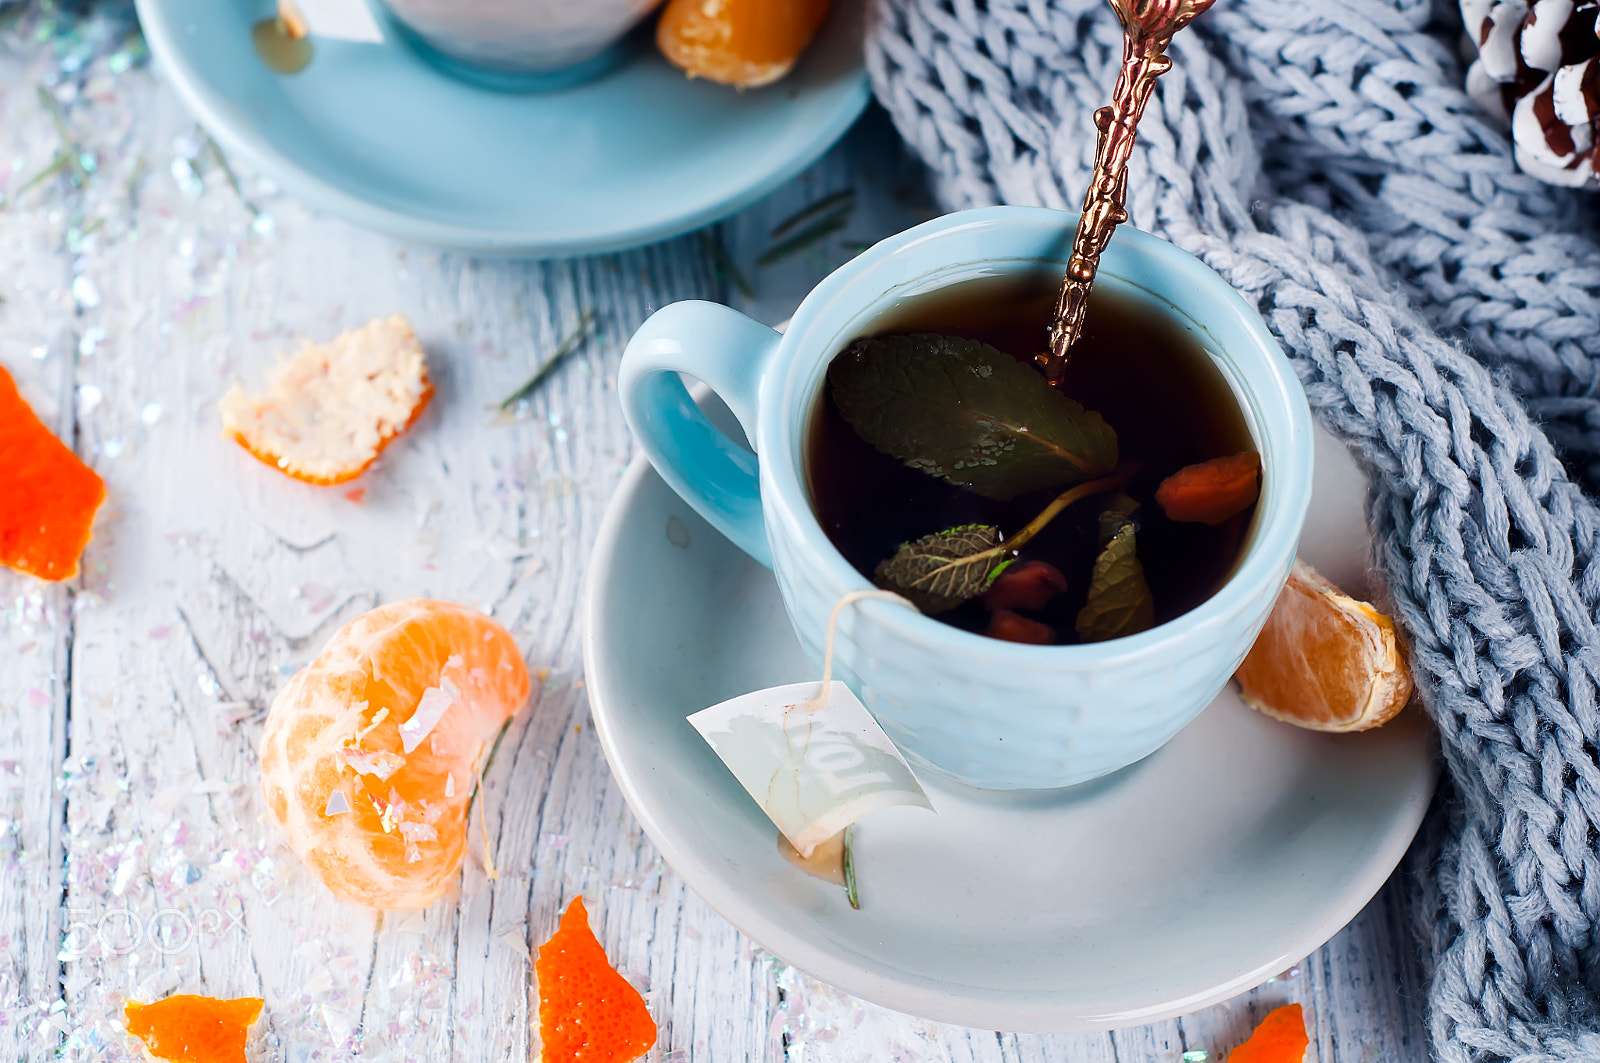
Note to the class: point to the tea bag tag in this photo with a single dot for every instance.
(345, 20)
(813, 768)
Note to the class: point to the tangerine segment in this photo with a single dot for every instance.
(747, 43)
(48, 497)
(588, 1013)
(1281, 1038)
(369, 753)
(331, 409)
(1325, 660)
(192, 1029)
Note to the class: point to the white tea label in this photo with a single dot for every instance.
(345, 20)
(813, 769)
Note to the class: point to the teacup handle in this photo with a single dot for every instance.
(712, 472)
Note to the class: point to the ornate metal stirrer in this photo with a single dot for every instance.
(1148, 27)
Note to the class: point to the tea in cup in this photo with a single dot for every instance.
(977, 709)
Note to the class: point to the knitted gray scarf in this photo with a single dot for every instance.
(1443, 312)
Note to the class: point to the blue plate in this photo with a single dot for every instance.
(380, 137)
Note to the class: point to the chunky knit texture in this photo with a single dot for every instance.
(1443, 312)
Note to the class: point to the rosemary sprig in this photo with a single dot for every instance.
(805, 238)
(58, 164)
(724, 262)
(850, 868)
(844, 200)
(573, 341)
(71, 151)
(232, 178)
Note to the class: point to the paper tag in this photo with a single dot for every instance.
(814, 772)
(345, 20)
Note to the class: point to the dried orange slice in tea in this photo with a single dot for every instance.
(369, 754)
(48, 497)
(587, 1011)
(191, 1029)
(1325, 660)
(1281, 1038)
(747, 43)
(331, 409)
(1212, 491)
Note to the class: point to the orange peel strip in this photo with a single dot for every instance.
(194, 1029)
(1281, 1038)
(587, 1011)
(332, 409)
(48, 497)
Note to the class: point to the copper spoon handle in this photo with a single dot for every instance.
(1147, 28)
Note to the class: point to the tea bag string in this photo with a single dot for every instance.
(848, 598)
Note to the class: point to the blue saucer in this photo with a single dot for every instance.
(379, 136)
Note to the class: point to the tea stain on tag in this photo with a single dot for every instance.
(825, 862)
(279, 48)
(814, 769)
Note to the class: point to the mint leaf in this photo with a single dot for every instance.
(969, 414)
(940, 571)
(1119, 600)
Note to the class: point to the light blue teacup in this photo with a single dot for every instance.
(988, 713)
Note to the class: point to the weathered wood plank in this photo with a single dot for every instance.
(37, 349)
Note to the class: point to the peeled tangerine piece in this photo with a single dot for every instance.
(587, 1011)
(747, 43)
(1325, 660)
(370, 752)
(191, 1029)
(331, 409)
(48, 497)
(1281, 1038)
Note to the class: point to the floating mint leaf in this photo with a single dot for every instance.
(940, 571)
(1118, 511)
(1119, 599)
(969, 414)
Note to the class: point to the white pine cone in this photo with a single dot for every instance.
(1537, 64)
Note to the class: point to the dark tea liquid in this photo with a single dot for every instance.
(1145, 374)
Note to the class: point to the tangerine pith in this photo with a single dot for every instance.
(369, 754)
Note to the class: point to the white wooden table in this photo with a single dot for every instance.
(136, 860)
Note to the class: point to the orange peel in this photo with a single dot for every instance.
(588, 1013)
(48, 498)
(330, 410)
(194, 1029)
(1280, 1038)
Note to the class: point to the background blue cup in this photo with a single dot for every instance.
(981, 711)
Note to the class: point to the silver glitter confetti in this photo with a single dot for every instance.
(85, 292)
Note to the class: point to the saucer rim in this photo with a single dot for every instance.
(212, 110)
(941, 1001)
